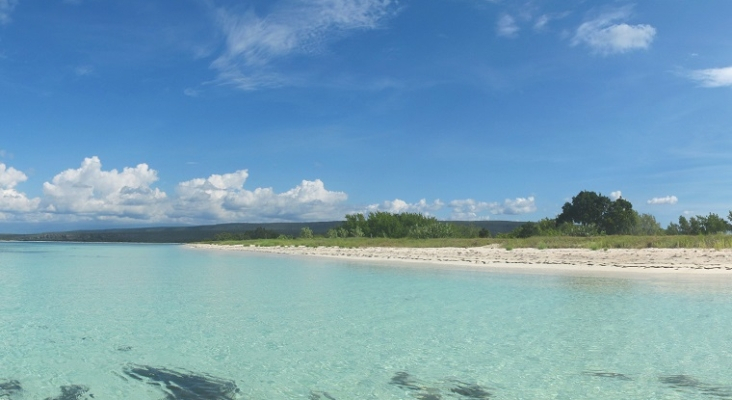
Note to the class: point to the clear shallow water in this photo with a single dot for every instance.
(164, 321)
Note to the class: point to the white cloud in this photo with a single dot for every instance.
(11, 200)
(9, 177)
(663, 200)
(401, 206)
(519, 205)
(6, 8)
(91, 193)
(254, 44)
(14, 202)
(506, 26)
(203, 198)
(88, 192)
(616, 195)
(470, 209)
(607, 35)
(713, 77)
(223, 198)
(541, 22)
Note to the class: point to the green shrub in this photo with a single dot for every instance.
(306, 233)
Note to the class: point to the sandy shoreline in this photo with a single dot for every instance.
(669, 262)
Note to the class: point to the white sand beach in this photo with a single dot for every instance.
(686, 262)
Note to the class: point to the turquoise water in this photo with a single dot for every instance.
(102, 321)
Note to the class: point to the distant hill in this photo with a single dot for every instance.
(188, 234)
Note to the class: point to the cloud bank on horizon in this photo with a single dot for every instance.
(90, 193)
(464, 110)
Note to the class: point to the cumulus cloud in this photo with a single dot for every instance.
(616, 195)
(606, 34)
(10, 177)
(6, 8)
(507, 26)
(89, 192)
(470, 209)
(401, 206)
(713, 77)
(224, 198)
(11, 200)
(663, 200)
(254, 43)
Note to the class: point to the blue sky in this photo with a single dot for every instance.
(132, 112)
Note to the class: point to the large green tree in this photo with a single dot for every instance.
(593, 209)
(713, 223)
(620, 218)
(586, 208)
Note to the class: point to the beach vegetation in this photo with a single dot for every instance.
(306, 233)
(357, 232)
(717, 241)
(646, 224)
(699, 225)
(402, 225)
(335, 233)
(258, 233)
(527, 230)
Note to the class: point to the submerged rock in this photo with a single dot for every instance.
(316, 395)
(681, 381)
(73, 392)
(185, 385)
(471, 391)
(689, 383)
(422, 391)
(406, 381)
(604, 374)
(9, 388)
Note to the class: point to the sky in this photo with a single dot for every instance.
(122, 113)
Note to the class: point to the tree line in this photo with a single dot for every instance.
(403, 225)
(258, 233)
(587, 214)
(592, 214)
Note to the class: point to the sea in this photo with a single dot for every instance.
(139, 321)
